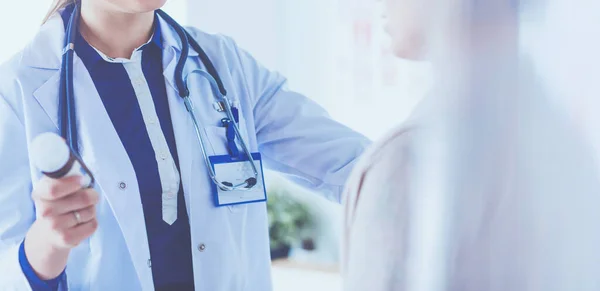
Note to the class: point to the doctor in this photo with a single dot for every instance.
(156, 218)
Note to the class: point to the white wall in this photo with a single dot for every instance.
(19, 21)
(245, 21)
(178, 10)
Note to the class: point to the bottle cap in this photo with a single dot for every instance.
(49, 152)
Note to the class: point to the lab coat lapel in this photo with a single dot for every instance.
(47, 97)
(44, 54)
(106, 157)
(193, 172)
(171, 54)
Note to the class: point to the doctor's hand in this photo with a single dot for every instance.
(66, 215)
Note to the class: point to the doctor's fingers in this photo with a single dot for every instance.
(73, 236)
(77, 201)
(53, 189)
(71, 220)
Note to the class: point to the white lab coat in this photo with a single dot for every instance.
(294, 135)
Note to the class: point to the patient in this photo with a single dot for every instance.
(374, 231)
(523, 204)
(377, 214)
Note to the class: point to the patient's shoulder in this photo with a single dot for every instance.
(390, 147)
(389, 154)
(384, 168)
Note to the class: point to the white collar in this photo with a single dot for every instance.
(136, 55)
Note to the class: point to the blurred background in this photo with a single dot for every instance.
(333, 51)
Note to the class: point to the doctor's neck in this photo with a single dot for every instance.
(115, 33)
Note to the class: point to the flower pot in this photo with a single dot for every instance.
(281, 252)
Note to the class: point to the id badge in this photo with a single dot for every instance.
(237, 171)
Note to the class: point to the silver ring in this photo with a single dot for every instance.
(77, 217)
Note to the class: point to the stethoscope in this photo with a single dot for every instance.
(68, 123)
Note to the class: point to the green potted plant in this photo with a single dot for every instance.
(290, 222)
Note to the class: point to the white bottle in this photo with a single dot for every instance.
(52, 156)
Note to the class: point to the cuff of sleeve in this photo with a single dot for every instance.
(35, 282)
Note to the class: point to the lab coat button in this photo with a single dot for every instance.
(122, 185)
(201, 247)
(149, 263)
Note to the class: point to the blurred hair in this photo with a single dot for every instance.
(58, 5)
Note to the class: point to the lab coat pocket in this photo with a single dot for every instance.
(217, 146)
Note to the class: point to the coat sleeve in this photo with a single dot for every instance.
(295, 135)
(16, 206)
